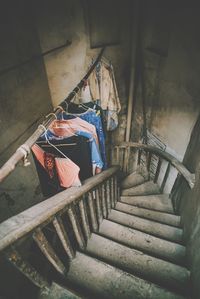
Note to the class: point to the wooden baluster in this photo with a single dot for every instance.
(149, 161)
(139, 157)
(99, 209)
(25, 268)
(158, 170)
(112, 192)
(60, 229)
(84, 218)
(115, 190)
(103, 198)
(117, 149)
(76, 228)
(48, 251)
(92, 212)
(128, 158)
(125, 160)
(107, 184)
(165, 177)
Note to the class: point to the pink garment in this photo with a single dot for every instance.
(66, 128)
(66, 169)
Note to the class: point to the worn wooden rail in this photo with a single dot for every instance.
(123, 158)
(84, 209)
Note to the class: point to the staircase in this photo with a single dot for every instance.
(125, 244)
(137, 252)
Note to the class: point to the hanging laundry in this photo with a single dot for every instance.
(91, 117)
(103, 88)
(67, 171)
(65, 128)
(52, 171)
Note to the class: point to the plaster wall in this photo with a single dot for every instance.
(24, 100)
(170, 75)
(188, 205)
(65, 68)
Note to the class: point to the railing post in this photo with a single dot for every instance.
(103, 198)
(157, 170)
(48, 251)
(112, 192)
(165, 177)
(92, 211)
(76, 228)
(84, 217)
(107, 185)
(99, 208)
(59, 227)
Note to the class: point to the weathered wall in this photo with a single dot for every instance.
(188, 204)
(171, 68)
(65, 68)
(24, 99)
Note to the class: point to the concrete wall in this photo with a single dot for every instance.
(24, 99)
(188, 205)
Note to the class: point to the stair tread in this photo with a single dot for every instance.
(58, 292)
(134, 179)
(148, 226)
(136, 262)
(160, 217)
(160, 202)
(104, 281)
(144, 242)
(147, 188)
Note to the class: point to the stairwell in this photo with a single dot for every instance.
(128, 240)
(137, 252)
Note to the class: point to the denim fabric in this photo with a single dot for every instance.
(96, 157)
(95, 120)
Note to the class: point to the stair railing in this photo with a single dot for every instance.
(72, 215)
(128, 153)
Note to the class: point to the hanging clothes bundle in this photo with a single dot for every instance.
(75, 144)
(103, 89)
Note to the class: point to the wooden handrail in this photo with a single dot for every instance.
(20, 225)
(189, 177)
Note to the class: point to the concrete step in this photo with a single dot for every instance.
(102, 281)
(134, 179)
(135, 262)
(147, 226)
(58, 292)
(148, 188)
(160, 202)
(146, 243)
(160, 217)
